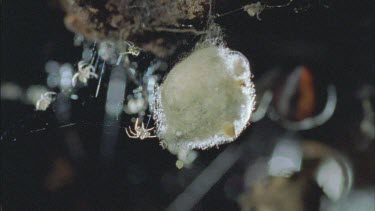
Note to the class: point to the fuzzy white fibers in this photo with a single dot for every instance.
(206, 99)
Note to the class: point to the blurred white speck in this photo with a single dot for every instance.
(132, 70)
(78, 39)
(255, 172)
(107, 51)
(179, 164)
(115, 93)
(66, 74)
(134, 105)
(53, 78)
(74, 97)
(10, 91)
(51, 66)
(185, 156)
(86, 54)
(151, 84)
(358, 200)
(286, 159)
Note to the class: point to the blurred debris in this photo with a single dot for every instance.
(60, 175)
(263, 106)
(331, 178)
(185, 157)
(298, 85)
(52, 68)
(74, 144)
(113, 108)
(359, 199)
(367, 125)
(255, 172)
(108, 51)
(315, 121)
(277, 193)
(10, 91)
(62, 108)
(286, 158)
(136, 102)
(268, 188)
(66, 76)
(59, 75)
(102, 72)
(307, 98)
(135, 105)
(78, 39)
(132, 20)
(206, 179)
(293, 103)
(334, 174)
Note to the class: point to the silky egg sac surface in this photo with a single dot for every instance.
(205, 100)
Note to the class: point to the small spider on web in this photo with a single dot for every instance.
(44, 101)
(140, 132)
(131, 49)
(85, 72)
(255, 9)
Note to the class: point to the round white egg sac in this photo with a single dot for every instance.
(205, 100)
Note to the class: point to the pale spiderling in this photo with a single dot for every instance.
(139, 131)
(163, 144)
(254, 9)
(132, 50)
(85, 71)
(44, 101)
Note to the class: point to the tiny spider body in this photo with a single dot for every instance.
(132, 49)
(44, 101)
(85, 71)
(254, 9)
(139, 131)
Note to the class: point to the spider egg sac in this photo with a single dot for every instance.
(205, 100)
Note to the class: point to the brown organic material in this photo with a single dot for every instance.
(133, 20)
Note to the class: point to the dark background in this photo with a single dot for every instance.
(336, 44)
